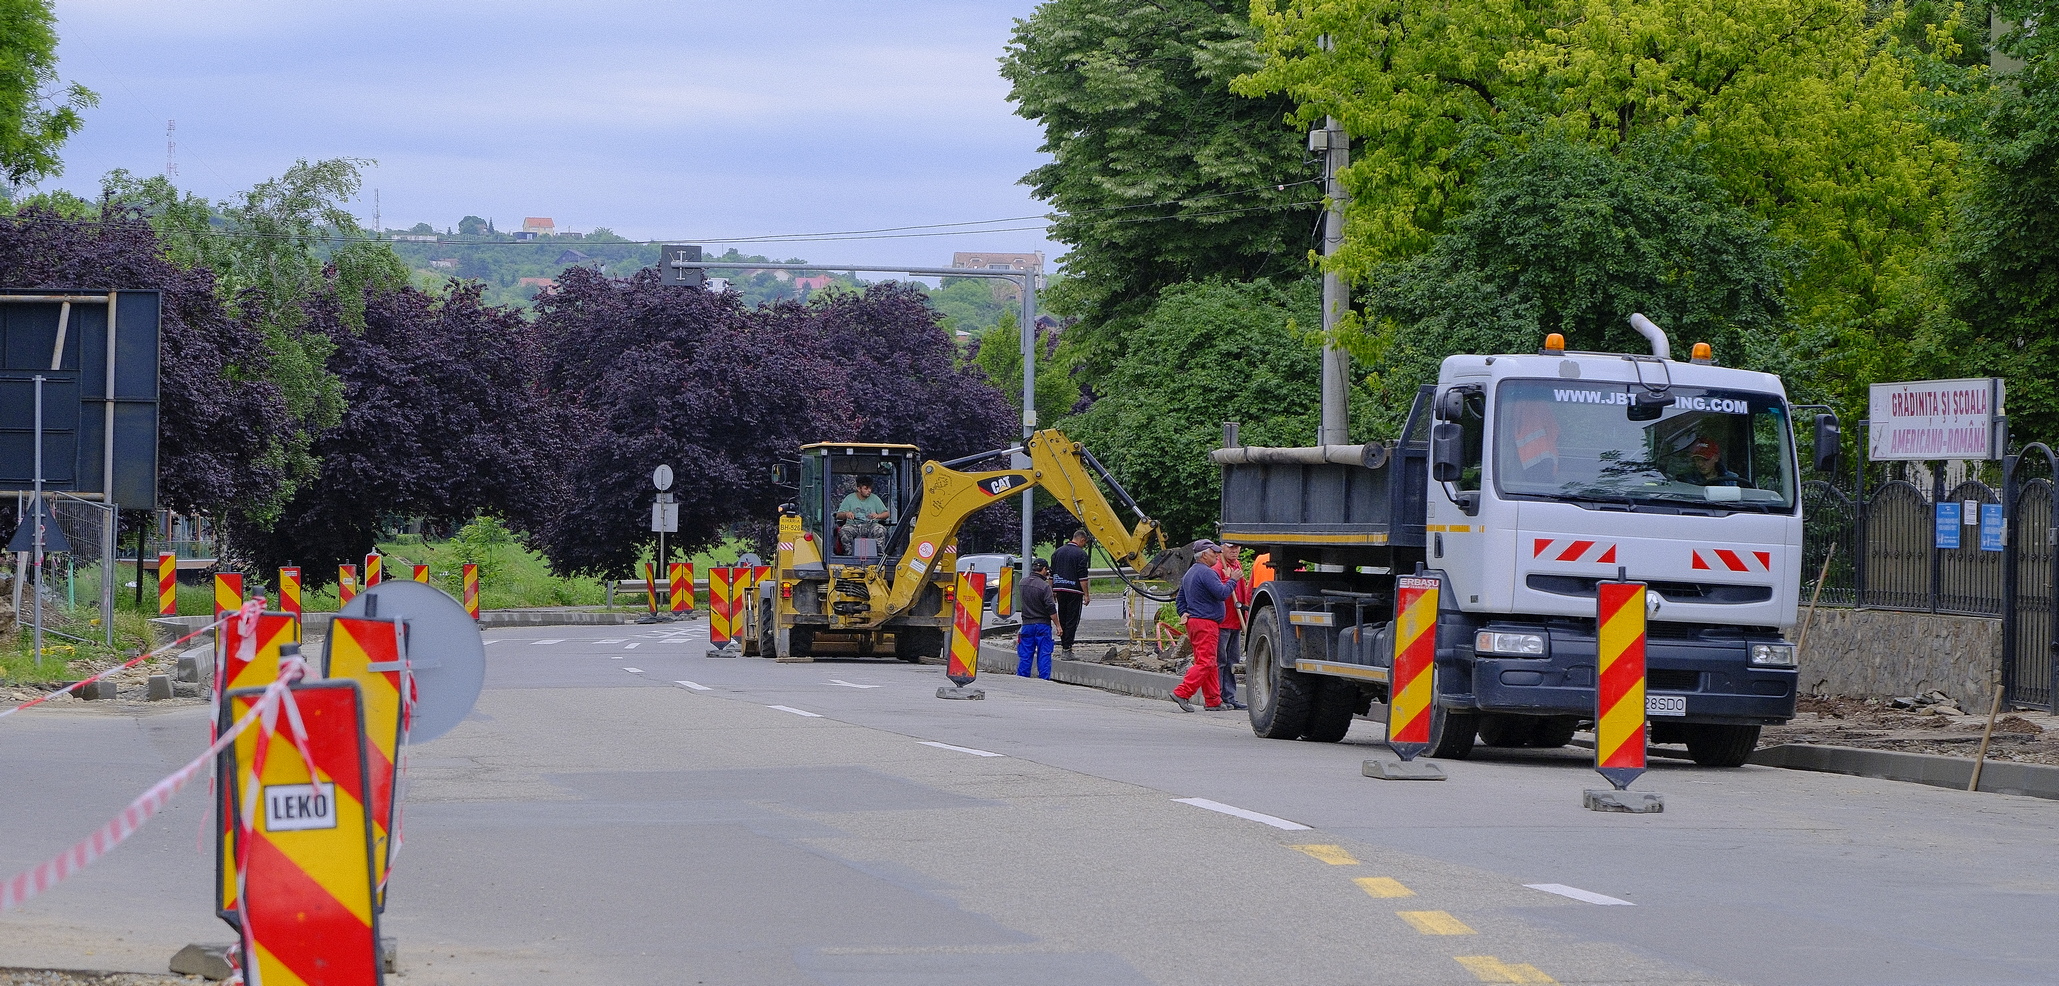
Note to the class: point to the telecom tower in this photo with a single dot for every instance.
(171, 149)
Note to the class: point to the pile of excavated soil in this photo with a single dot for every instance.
(1937, 728)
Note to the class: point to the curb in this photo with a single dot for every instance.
(1107, 677)
(1996, 777)
(166, 629)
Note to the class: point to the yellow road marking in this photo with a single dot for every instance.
(1435, 922)
(1383, 886)
(1489, 969)
(1333, 855)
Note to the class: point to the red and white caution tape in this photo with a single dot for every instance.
(56, 870)
(138, 659)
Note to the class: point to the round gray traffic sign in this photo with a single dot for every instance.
(661, 477)
(444, 648)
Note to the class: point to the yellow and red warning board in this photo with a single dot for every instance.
(1004, 591)
(303, 842)
(1415, 659)
(1619, 686)
(228, 592)
(167, 584)
(422, 573)
(233, 670)
(472, 590)
(289, 596)
(969, 605)
(346, 583)
(681, 595)
(375, 570)
(372, 653)
(722, 597)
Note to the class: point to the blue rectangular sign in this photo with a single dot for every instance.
(1948, 525)
(1990, 527)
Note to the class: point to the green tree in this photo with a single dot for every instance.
(1000, 358)
(1159, 173)
(1206, 353)
(2001, 273)
(472, 226)
(1813, 119)
(1566, 237)
(969, 304)
(36, 115)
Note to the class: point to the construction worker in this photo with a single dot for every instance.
(1070, 584)
(1230, 647)
(1537, 441)
(863, 514)
(1202, 594)
(1034, 602)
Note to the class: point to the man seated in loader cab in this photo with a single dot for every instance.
(861, 514)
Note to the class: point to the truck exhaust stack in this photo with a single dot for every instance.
(1659, 346)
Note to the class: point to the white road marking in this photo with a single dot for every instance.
(1578, 894)
(491, 643)
(618, 657)
(631, 646)
(553, 640)
(798, 712)
(962, 749)
(695, 685)
(1274, 821)
(611, 640)
(852, 684)
(633, 670)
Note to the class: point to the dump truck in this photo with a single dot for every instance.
(842, 587)
(1519, 482)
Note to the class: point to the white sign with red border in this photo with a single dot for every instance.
(1934, 419)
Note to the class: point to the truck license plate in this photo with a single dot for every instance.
(1665, 705)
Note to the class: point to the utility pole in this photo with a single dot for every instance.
(1335, 148)
(1029, 413)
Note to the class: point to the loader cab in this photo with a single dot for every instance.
(831, 471)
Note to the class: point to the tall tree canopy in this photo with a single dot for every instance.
(1159, 173)
(36, 115)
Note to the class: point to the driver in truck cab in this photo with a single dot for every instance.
(861, 514)
(1705, 465)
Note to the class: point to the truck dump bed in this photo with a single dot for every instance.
(1328, 495)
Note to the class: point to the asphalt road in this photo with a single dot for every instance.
(621, 808)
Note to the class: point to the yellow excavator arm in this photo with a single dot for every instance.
(1060, 465)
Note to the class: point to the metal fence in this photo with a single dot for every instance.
(1887, 554)
(2030, 624)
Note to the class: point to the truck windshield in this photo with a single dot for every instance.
(1581, 440)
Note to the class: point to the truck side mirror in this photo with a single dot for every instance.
(1451, 405)
(1447, 452)
(1829, 441)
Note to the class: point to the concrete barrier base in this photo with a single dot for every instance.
(205, 961)
(1389, 769)
(1634, 802)
(956, 693)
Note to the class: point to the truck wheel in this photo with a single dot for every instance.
(1555, 732)
(1451, 733)
(1507, 730)
(1280, 698)
(1336, 701)
(768, 631)
(1720, 744)
(912, 644)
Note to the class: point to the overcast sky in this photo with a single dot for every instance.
(672, 120)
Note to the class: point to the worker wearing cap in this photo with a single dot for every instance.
(1706, 459)
(1035, 603)
(1203, 591)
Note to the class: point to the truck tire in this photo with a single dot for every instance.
(1281, 698)
(1714, 744)
(1329, 718)
(1508, 730)
(768, 631)
(912, 644)
(1555, 732)
(1451, 733)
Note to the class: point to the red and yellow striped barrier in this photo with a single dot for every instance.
(289, 597)
(228, 592)
(1619, 690)
(422, 574)
(346, 583)
(261, 668)
(472, 590)
(650, 587)
(368, 652)
(1004, 592)
(721, 595)
(969, 604)
(375, 569)
(304, 843)
(681, 595)
(167, 584)
(1415, 657)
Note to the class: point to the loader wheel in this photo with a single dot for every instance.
(1281, 699)
(1713, 744)
(1336, 701)
(912, 644)
(768, 630)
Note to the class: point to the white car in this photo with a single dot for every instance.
(989, 566)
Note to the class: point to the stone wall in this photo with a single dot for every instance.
(1878, 653)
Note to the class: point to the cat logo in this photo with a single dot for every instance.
(1002, 484)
